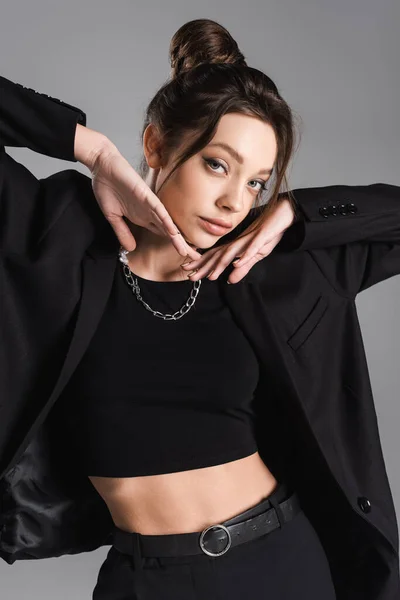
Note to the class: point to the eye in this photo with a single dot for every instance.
(211, 161)
(261, 183)
(214, 161)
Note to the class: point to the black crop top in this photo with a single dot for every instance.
(151, 396)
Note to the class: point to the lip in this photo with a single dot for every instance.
(215, 226)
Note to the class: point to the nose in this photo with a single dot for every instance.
(233, 200)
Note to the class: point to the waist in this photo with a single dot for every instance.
(185, 501)
(280, 507)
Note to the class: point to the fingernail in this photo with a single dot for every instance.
(229, 282)
(187, 263)
(210, 273)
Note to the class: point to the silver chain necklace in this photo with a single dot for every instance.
(133, 282)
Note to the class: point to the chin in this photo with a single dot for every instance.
(203, 241)
(194, 243)
(201, 246)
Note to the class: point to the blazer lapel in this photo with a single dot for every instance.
(97, 278)
(98, 267)
(250, 308)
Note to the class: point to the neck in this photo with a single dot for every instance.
(155, 257)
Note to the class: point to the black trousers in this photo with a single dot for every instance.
(287, 563)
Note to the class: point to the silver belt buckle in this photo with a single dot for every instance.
(203, 533)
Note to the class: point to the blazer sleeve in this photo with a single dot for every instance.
(33, 120)
(352, 231)
(46, 125)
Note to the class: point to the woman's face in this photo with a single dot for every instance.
(221, 181)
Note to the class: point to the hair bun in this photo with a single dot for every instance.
(200, 41)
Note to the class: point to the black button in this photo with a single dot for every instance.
(343, 209)
(324, 211)
(333, 210)
(364, 504)
(352, 208)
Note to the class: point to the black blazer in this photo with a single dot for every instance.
(316, 424)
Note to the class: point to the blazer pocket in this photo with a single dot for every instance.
(309, 324)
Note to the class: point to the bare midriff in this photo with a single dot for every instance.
(185, 501)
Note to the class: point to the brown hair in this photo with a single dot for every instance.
(210, 78)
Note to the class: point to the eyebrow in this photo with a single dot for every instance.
(238, 157)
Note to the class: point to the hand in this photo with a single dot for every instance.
(251, 247)
(121, 192)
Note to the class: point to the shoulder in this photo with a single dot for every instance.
(79, 221)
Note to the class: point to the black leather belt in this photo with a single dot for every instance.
(214, 540)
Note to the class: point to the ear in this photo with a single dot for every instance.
(152, 146)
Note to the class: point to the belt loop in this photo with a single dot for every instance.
(137, 554)
(278, 510)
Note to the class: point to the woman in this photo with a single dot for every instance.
(196, 510)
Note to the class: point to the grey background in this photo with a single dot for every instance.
(336, 63)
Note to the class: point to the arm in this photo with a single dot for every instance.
(352, 231)
(89, 144)
(32, 120)
(46, 125)
(29, 207)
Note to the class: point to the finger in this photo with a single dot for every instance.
(183, 248)
(228, 254)
(157, 226)
(229, 250)
(168, 227)
(222, 263)
(190, 264)
(162, 225)
(240, 272)
(123, 233)
(255, 246)
(164, 218)
(205, 268)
